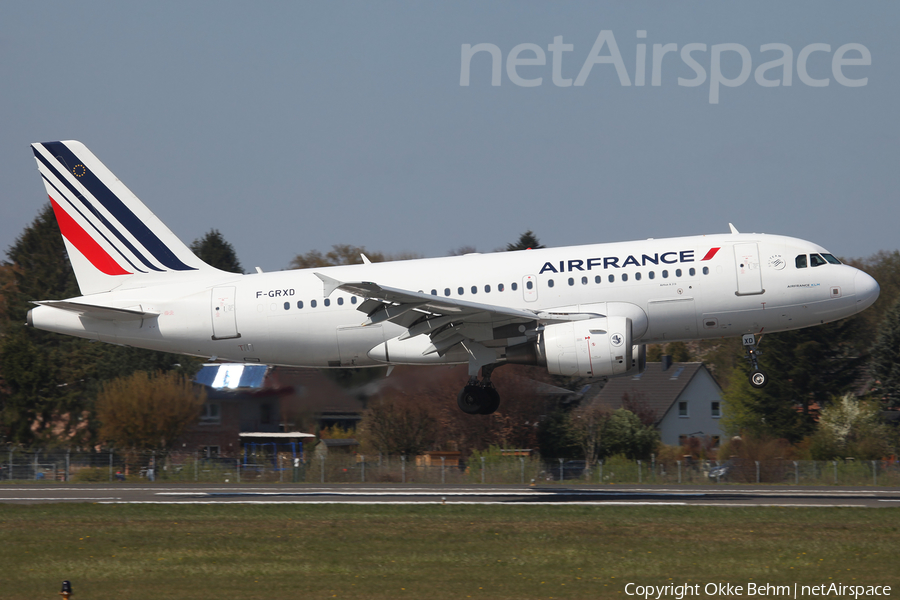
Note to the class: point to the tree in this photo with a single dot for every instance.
(885, 268)
(886, 358)
(394, 426)
(41, 388)
(623, 433)
(587, 425)
(806, 367)
(216, 252)
(556, 437)
(849, 427)
(50, 381)
(141, 413)
(526, 241)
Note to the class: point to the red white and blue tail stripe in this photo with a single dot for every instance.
(111, 237)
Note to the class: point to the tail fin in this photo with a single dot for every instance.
(111, 237)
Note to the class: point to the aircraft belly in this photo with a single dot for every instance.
(671, 319)
(354, 344)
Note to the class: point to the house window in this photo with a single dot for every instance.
(716, 411)
(211, 414)
(682, 409)
(211, 451)
(716, 440)
(265, 413)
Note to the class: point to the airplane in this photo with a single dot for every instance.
(585, 310)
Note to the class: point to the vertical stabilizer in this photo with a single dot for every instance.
(111, 237)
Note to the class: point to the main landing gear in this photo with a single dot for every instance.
(758, 378)
(479, 397)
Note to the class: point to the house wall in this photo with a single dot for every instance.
(699, 394)
(221, 432)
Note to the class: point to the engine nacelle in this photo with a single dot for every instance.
(598, 347)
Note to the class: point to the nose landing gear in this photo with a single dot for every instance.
(758, 378)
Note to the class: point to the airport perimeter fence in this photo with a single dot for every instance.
(38, 465)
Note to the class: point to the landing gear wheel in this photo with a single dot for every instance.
(491, 401)
(470, 400)
(758, 379)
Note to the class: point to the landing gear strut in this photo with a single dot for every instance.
(758, 378)
(479, 397)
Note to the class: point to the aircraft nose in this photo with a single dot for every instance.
(867, 290)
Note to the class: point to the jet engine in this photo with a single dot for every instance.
(599, 347)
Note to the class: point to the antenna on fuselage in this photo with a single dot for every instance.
(733, 228)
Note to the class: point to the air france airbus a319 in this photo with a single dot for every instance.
(582, 310)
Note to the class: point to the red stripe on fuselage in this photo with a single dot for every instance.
(85, 244)
(710, 254)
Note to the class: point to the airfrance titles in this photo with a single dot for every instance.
(617, 262)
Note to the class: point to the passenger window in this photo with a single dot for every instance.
(816, 261)
(584, 281)
(692, 271)
(499, 287)
(340, 301)
(637, 276)
(352, 299)
(677, 272)
(474, 289)
(327, 302)
(299, 303)
(665, 274)
(434, 292)
(460, 291)
(800, 261)
(651, 275)
(446, 291)
(624, 276)
(830, 258)
(529, 284)
(706, 270)
(571, 281)
(550, 283)
(612, 278)
(312, 303)
(287, 306)
(514, 286)
(598, 279)
(487, 289)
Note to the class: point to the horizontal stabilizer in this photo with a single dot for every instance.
(106, 313)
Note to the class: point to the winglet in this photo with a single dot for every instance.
(733, 228)
(331, 284)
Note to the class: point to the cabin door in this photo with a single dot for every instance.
(223, 316)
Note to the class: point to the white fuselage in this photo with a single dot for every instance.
(676, 289)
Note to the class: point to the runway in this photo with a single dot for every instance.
(729, 496)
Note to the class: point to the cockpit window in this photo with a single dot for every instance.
(816, 261)
(830, 258)
(801, 261)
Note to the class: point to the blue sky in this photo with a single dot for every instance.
(294, 126)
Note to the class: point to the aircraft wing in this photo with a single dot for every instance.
(444, 319)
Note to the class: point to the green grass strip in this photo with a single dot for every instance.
(431, 552)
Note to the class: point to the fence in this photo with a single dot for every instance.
(285, 467)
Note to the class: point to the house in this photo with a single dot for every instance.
(683, 400)
(259, 399)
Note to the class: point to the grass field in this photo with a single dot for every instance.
(431, 552)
